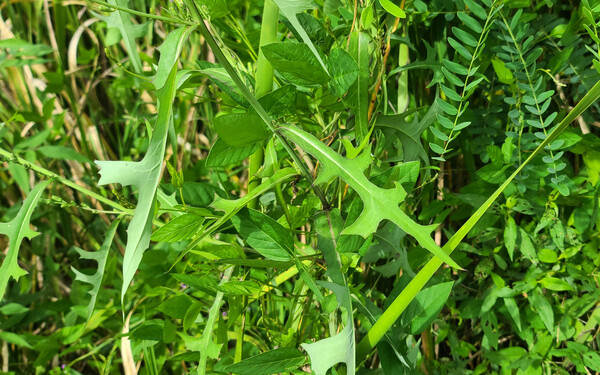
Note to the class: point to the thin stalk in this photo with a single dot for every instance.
(144, 14)
(264, 84)
(210, 322)
(271, 124)
(44, 172)
(393, 312)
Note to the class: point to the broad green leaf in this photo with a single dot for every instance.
(510, 236)
(343, 69)
(176, 307)
(145, 174)
(358, 94)
(100, 257)
(240, 288)
(16, 230)
(504, 74)
(129, 31)
(290, 9)
(513, 310)
(379, 204)
(297, 60)
(15, 339)
(556, 284)
(264, 234)
(426, 306)
(240, 129)
(392, 8)
(221, 154)
(542, 307)
(256, 263)
(179, 229)
(271, 362)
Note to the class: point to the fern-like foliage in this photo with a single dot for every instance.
(461, 75)
(530, 106)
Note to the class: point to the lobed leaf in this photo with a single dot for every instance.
(379, 204)
(145, 174)
(17, 229)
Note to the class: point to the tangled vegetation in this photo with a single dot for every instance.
(299, 186)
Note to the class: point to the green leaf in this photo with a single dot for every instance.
(366, 17)
(504, 74)
(510, 236)
(181, 228)
(176, 307)
(392, 8)
(327, 352)
(297, 60)
(240, 129)
(100, 257)
(290, 9)
(556, 284)
(447, 107)
(221, 154)
(476, 9)
(358, 94)
(513, 310)
(379, 204)
(264, 234)
(547, 256)
(464, 37)
(344, 71)
(271, 362)
(471, 22)
(16, 230)
(426, 306)
(543, 308)
(240, 288)
(15, 339)
(145, 174)
(216, 8)
(409, 133)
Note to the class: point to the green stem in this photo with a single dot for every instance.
(143, 14)
(210, 323)
(393, 312)
(264, 84)
(43, 171)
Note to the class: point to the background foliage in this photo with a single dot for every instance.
(198, 239)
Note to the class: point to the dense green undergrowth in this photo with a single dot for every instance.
(297, 186)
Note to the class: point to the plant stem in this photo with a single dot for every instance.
(210, 322)
(143, 14)
(264, 84)
(44, 172)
